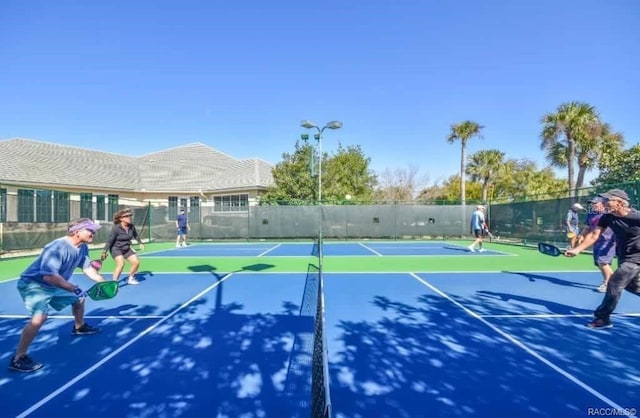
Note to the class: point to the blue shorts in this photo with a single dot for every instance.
(182, 231)
(478, 233)
(603, 253)
(37, 297)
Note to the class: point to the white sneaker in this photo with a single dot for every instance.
(602, 288)
(177, 245)
(132, 281)
(470, 248)
(184, 244)
(481, 250)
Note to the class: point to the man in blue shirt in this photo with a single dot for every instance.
(45, 283)
(182, 226)
(478, 226)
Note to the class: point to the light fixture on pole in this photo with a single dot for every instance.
(335, 124)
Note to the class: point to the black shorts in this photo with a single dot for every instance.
(126, 252)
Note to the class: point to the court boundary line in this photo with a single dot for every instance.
(262, 254)
(524, 347)
(117, 351)
(366, 247)
(535, 316)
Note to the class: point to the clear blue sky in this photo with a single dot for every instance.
(135, 77)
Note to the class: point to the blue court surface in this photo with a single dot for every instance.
(350, 249)
(400, 345)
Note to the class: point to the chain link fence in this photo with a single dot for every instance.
(532, 218)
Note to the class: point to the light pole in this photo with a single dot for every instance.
(335, 124)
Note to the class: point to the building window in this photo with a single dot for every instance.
(25, 205)
(61, 207)
(173, 207)
(101, 209)
(86, 205)
(113, 205)
(231, 203)
(3, 205)
(194, 208)
(44, 206)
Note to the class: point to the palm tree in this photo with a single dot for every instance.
(484, 166)
(463, 131)
(562, 132)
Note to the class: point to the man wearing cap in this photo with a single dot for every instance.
(604, 249)
(478, 226)
(45, 283)
(571, 222)
(624, 221)
(182, 227)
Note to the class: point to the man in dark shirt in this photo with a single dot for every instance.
(182, 227)
(624, 221)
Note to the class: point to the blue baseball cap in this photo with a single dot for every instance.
(597, 199)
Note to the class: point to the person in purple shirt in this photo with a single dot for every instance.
(624, 221)
(45, 284)
(604, 249)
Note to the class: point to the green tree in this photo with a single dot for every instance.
(449, 191)
(521, 179)
(484, 167)
(463, 131)
(294, 181)
(347, 173)
(562, 133)
(619, 167)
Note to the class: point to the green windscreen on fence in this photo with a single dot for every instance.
(533, 218)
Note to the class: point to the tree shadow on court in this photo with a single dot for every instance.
(207, 359)
(433, 359)
(532, 277)
(550, 306)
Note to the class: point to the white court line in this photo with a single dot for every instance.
(117, 351)
(524, 347)
(269, 250)
(369, 249)
(554, 315)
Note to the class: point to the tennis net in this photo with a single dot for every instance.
(320, 396)
(301, 363)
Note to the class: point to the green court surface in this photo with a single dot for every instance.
(515, 258)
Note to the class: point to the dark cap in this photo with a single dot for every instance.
(617, 193)
(597, 199)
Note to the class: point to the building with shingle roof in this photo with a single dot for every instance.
(184, 173)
